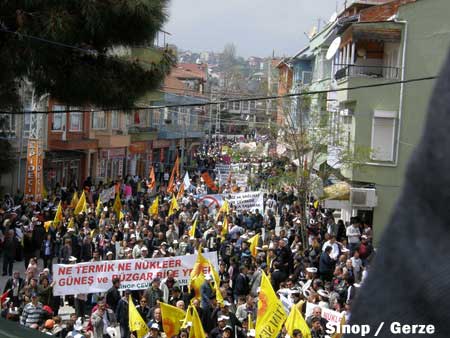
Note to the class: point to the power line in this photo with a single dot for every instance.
(204, 104)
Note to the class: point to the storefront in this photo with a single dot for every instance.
(65, 168)
(110, 163)
(139, 158)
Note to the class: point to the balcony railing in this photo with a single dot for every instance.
(345, 70)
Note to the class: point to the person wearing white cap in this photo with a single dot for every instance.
(221, 323)
(206, 290)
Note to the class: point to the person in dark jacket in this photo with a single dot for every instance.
(241, 285)
(122, 314)
(278, 276)
(9, 252)
(326, 264)
(113, 295)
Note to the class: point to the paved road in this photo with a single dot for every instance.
(20, 266)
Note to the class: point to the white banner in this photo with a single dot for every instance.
(108, 194)
(247, 200)
(135, 274)
(333, 317)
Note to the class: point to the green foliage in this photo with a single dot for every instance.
(78, 77)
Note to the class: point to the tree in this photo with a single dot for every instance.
(311, 136)
(65, 48)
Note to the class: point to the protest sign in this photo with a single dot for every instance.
(135, 274)
(247, 200)
(333, 317)
(107, 194)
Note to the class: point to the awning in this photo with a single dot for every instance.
(339, 191)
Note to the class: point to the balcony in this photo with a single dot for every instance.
(366, 71)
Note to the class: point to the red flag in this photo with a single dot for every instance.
(208, 181)
(175, 173)
(4, 296)
(152, 182)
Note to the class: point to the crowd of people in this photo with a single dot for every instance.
(326, 271)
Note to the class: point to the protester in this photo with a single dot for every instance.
(322, 271)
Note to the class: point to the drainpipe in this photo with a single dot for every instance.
(402, 89)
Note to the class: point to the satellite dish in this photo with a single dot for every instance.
(332, 50)
(312, 32)
(333, 17)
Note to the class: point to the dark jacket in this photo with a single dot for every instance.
(241, 285)
(326, 264)
(112, 298)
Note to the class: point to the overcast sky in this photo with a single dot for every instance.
(255, 26)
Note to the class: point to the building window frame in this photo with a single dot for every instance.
(98, 120)
(385, 117)
(76, 116)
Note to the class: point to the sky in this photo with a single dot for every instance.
(256, 27)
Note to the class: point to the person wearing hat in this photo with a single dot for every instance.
(74, 328)
(221, 323)
(225, 310)
(153, 331)
(33, 312)
(153, 294)
(206, 291)
(227, 332)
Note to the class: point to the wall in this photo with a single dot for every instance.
(427, 44)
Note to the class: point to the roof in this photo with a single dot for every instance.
(191, 70)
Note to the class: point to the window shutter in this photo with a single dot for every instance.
(383, 138)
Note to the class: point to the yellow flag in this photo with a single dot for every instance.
(171, 318)
(271, 315)
(71, 224)
(294, 321)
(117, 206)
(188, 318)
(250, 322)
(47, 225)
(58, 215)
(135, 321)
(121, 215)
(316, 204)
(44, 191)
(225, 208)
(196, 330)
(153, 210)
(216, 279)
(253, 244)
(195, 284)
(341, 324)
(74, 201)
(192, 229)
(81, 205)
(173, 206)
(99, 207)
(200, 264)
(197, 277)
(224, 231)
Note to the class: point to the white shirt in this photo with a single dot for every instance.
(353, 234)
(356, 263)
(334, 254)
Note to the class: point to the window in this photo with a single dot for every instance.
(76, 120)
(245, 105)
(59, 119)
(383, 136)
(115, 119)
(236, 105)
(7, 125)
(26, 125)
(98, 120)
